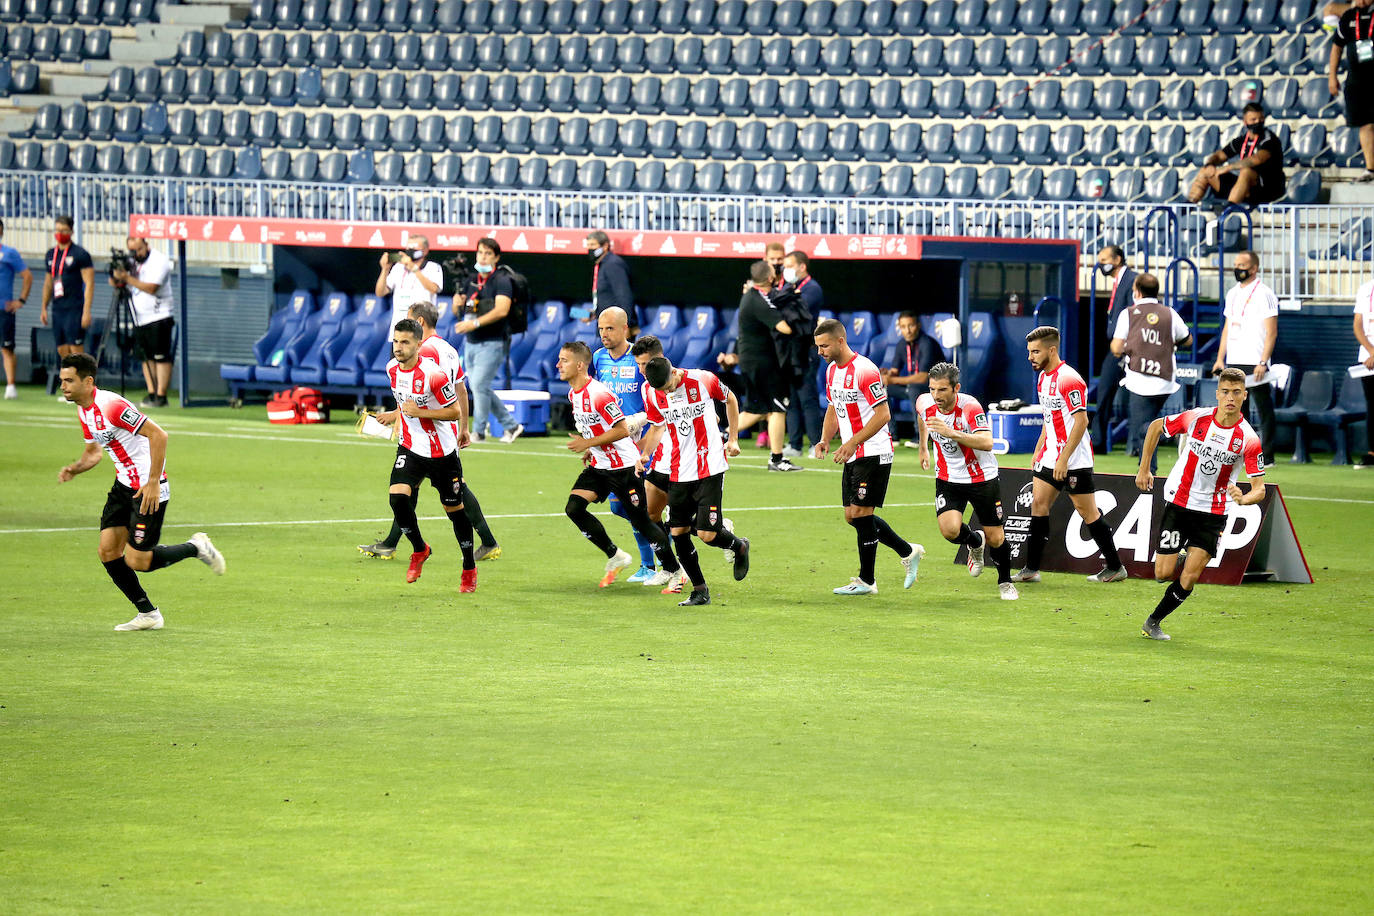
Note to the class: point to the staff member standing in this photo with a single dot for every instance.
(766, 391)
(1364, 334)
(411, 279)
(1147, 334)
(804, 414)
(11, 263)
(482, 311)
(610, 278)
(1355, 34)
(1111, 261)
(1252, 328)
(68, 289)
(151, 301)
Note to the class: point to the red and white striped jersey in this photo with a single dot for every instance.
(429, 387)
(113, 423)
(954, 462)
(662, 459)
(1063, 393)
(1207, 466)
(442, 352)
(595, 411)
(854, 391)
(697, 448)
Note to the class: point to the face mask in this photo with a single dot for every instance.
(482, 268)
(1106, 269)
(1241, 274)
(789, 275)
(594, 253)
(1255, 128)
(62, 238)
(416, 255)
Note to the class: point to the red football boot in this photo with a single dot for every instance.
(469, 581)
(417, 562)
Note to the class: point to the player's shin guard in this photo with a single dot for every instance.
(889, 537)
(966, 536)
(1174, 595)
(126, 580)
(867, 533)
(687, 556)
(1102, 536)
(393, 537)
(1039, 537)
(725, 540)
(403, 510)
(169, 554)
(473, 510)
(1001, 555)
(462, 530)
(589, 525)
(646, 547)
(655, 535)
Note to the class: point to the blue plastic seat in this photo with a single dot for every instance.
(334, 332)
(286, 326)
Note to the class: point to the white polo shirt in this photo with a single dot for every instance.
(406, 290)
(150, 307)
(1364, 307)
(1247, 307)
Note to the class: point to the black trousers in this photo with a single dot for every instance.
(1144, 409)
(1261, 400)
(1368, 382)
(1109, 378)
(804, 413)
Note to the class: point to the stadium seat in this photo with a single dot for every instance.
(334, 333)
(1315, 393)
(285, 325)
(1162, 185)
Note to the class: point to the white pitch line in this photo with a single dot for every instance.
(424, 518)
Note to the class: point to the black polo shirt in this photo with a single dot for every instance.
(65, 265)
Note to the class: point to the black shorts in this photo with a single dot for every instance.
(765, 391)
(864, 481)
(1260, 193)
(444, 474)
(154, 341)
(1359, 105)
(696, 503)
(1078, 481)
(6, 328)
(624, 483)
(658, 479)
(66, 325)
(122, 511)
(985, 497)
(1179, 528)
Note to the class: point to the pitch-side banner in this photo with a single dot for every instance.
(1258, 543)
(382, 236)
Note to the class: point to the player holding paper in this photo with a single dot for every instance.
(1196, 493)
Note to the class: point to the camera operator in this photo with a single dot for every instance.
(481, 311)
(68, 290)
(410, 277)
(150, 301)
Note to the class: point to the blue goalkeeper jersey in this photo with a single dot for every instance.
(622, 376)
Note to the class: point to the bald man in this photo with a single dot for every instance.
(615, 367)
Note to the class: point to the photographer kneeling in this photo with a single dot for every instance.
(144, 275)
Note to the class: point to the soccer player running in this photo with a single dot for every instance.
(859, 413)
(131, 522)
(680, 403)
(615, 367)
(1198, 487)
(1063, 459)
(427, 407)
(435, 348)
(965, 472)
(609, 457)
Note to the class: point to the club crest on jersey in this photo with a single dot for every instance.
(693, 395)
(1235, 446)
(417, 385)
(1075, 399)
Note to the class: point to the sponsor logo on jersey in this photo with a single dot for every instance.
(1075, 399)
(130, 416)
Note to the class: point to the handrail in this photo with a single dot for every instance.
(1171, 233)
(1231, 210)
(1059, 307)
(1172, 281)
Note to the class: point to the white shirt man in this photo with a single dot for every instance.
(155, 269)
(414, 278)
(1252, 326)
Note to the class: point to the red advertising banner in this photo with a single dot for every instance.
(1258, 544)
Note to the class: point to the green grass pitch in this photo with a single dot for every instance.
(309, 733)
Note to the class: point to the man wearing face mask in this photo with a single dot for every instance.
(1252, 328)
(1354, 34)
(11, 264)
(610, 278)
(411, 278)
(151, 301)
(68, 289)
(804, 414)
(1111, 261)
(1256, 177)
(482, 311)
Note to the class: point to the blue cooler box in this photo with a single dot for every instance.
(1015, 431)
(529, 408)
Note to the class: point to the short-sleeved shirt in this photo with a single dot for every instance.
(855, 390)
(757, 319)
(1355, 26)
(1206, 467)
(406, 289)
(688, 416)
(1139, 382)
(64, 265)
(11, 265)
(1364, 307)
(1247, 307)
(954, 462)
(428, 386)
(596, 411)
(1246, 144)
(113, 423)
(621, 375)
(150, 307)
(442, 352)
(917, 355)
(1062, 394)
(479, 297)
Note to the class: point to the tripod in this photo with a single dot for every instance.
(119, 326)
